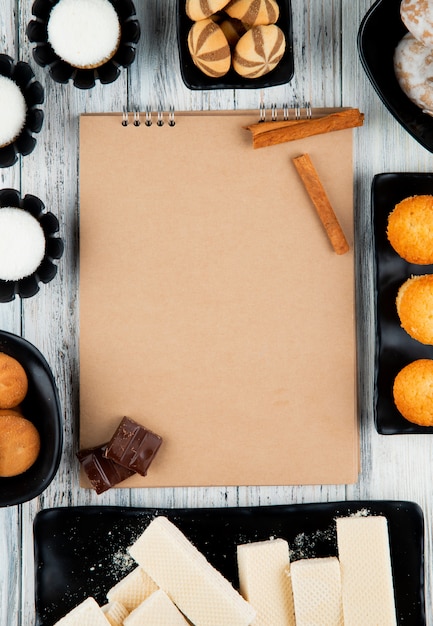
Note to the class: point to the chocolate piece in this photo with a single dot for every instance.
(102, 473)
(133, 446)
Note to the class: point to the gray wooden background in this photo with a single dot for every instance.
(327, 73)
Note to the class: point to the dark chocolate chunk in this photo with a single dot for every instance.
(102, 473)
(133, 446)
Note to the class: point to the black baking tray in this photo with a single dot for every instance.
(195, 79)
(81, 551)
(394, 347)
(379, 33)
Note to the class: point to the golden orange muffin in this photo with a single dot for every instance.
(413, 392)
(415, 307)
(19, 444)
(13, 382)
(410, 229)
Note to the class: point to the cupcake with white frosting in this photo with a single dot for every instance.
(29, 245)
(84, 41)
(84, 33)
(20, 113)
(13, 110)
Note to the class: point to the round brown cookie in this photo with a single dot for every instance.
(259, 51)
(201, 9)
(19, 443)
(13, 382)
(209, 48)
(254, 12)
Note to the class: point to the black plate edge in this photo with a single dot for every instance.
(28, 347)
(416, 111)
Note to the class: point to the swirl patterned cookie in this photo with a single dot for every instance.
(259, 51)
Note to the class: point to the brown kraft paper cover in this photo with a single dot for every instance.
(213, 309)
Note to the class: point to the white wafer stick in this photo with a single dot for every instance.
(366, 575)
(263, 581)
(317, 592)
(197, 588)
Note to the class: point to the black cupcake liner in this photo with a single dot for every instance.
(61, 71)
(47, 270)
(22, 74)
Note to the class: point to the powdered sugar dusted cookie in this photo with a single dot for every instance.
(84, 33)
(13, 110)
(417, 16)
(413, 66)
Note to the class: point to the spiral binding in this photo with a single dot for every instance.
(149, 115)
(295, 112)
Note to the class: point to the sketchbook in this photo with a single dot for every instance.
(213, 309)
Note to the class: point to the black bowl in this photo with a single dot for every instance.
(29, 286)
(22, 74)
(42, 407)
(196, 79)
(60, 70)
(379, 33)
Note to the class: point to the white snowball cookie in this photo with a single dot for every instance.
(413, 65)
(13, 110)
(417, 16)
(84, 33)
(22, 243)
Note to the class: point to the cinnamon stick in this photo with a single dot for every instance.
(317, 193)
(272, 133)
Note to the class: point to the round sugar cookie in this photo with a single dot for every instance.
(13, 111)
(417, 16)
(13, 382)
(84, 33)
(19, 444)
(413, 63)
(410, 229)
(413, 392)
(415, 307)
